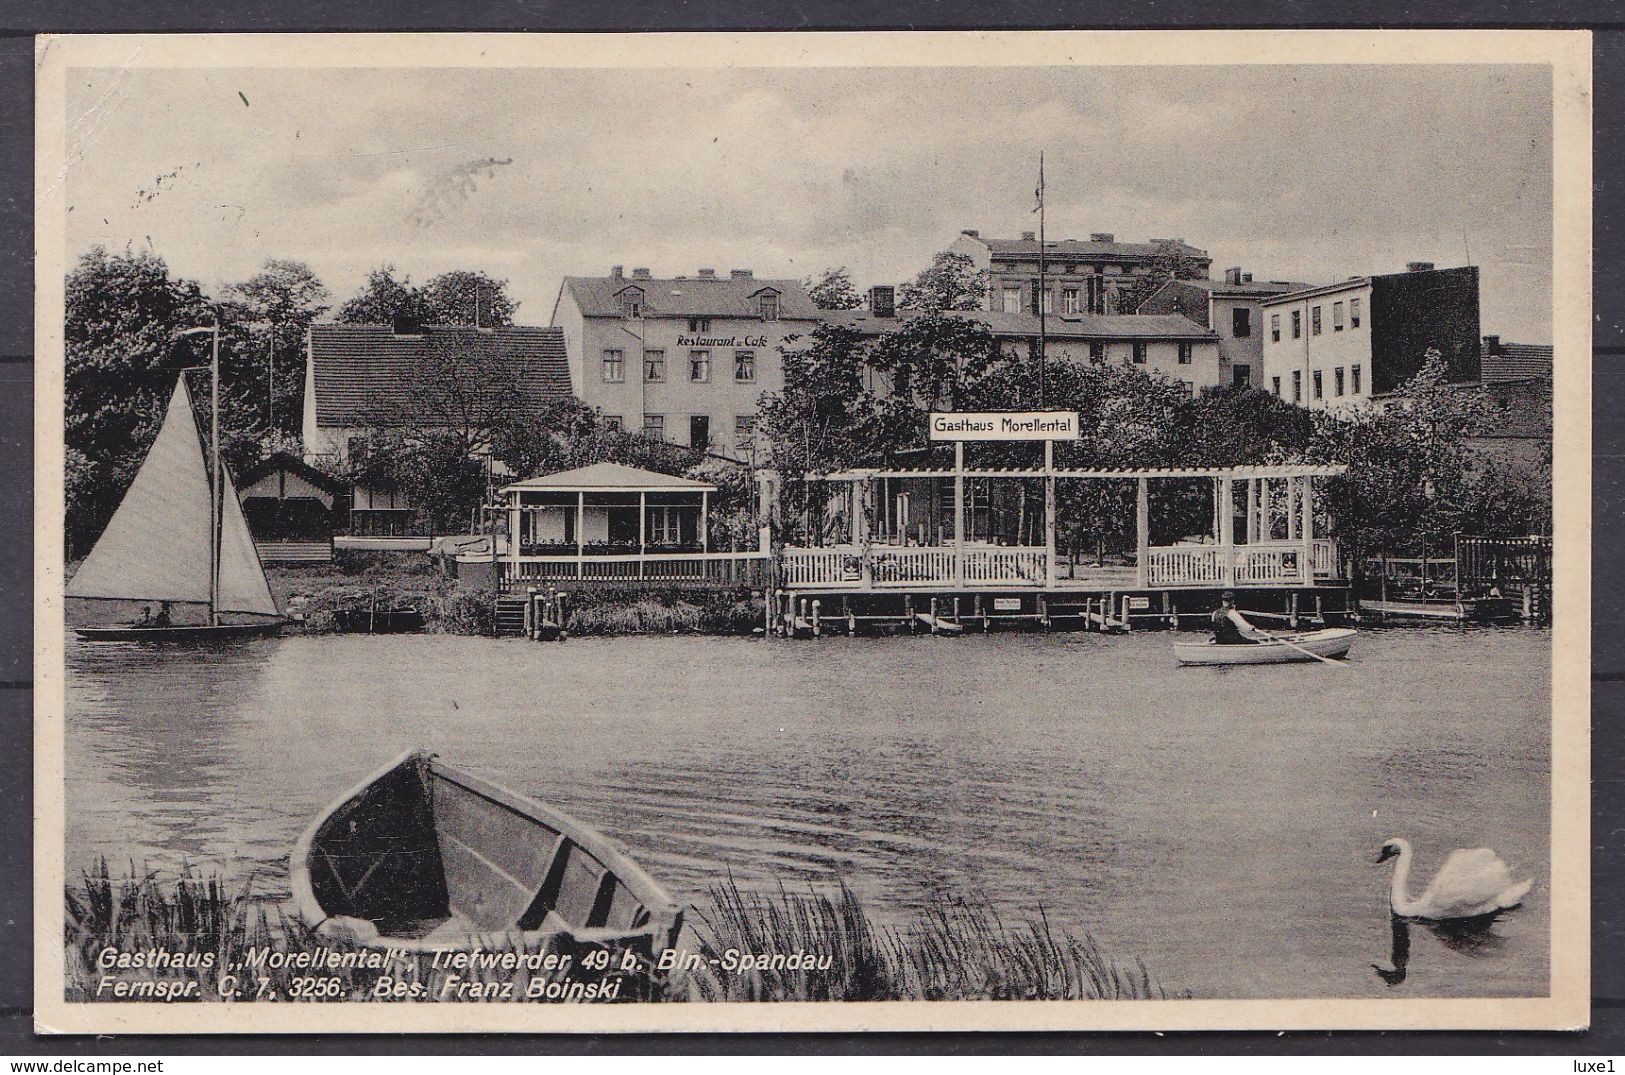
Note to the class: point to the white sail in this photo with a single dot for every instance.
(243, 587)
(156, 548)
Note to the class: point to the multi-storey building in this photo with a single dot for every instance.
(1080, 276)
(1169, 345)
(1232, 308)
(1363, 338)
(683, 358)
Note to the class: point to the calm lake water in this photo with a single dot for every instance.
(1217, 823)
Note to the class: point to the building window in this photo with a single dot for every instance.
(744, 431)
(632, 308)
(1297, 324)
(1069, 300)
(1337, 317)
(1097, 352)
(1275, 329)
(1354, 316)
(1012, 300)
(767, 306)
(1297, 386)
(357, 448)
(1354, 380)
(1275, 386)
(1241, 376)
(699, 366)
(664, 528)
(1139, 352)
(1184, 354)
(614, 366)
(612, 422)
(1337, 381)
(1188, 388)
(654, 426)
(699, 431)
(1319, 393)
(1314, 321)
(744, 365)
(1049, 300)
(699, 324)
(654, 365)
(1241, 322)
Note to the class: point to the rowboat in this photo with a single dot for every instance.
(423, 856)
(1332, 642)
(195, 632)
(373, 620)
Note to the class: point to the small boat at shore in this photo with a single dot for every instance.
(1331, 642)
(373, 620)
(424, 856)
(1467, 610)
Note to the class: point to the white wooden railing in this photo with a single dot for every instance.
(727, 568)
(1185, 565)
(1013, 567)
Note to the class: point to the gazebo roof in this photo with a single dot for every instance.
(609, 478)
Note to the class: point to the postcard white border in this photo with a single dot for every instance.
(1567, 52)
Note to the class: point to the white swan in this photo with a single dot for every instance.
(1470, 884)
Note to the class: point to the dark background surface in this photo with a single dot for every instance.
(19, 21)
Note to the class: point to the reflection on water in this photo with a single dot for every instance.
(1082, 775)
(1479, 938)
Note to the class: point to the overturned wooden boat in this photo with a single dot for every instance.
(378, 620)
(1331, 642)
(423, 856)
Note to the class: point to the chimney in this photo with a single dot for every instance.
(407, 325)
(640, 274)
(1419, 266)
(739, 274)
(1492, 344)
(616, 272)
(1246, 277)
(1029, 236)
(1233, 275)
(883, 301)
(1102, 237)
(972, 232)
(708, 274)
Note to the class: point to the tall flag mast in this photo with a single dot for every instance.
(1043, 290)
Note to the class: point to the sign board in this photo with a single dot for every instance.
(1005, 425)
(1139, 602)
(1007, 604)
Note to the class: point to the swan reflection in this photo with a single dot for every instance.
(1467, 936)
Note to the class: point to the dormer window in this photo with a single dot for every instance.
(767, 306)
(632, 303)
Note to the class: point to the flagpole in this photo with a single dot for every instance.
(1043, 292)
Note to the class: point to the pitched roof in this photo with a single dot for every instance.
(1084, 249)
(1085, 326)
(292, 463)
(362, 370)
(1515, 361)
(604, 477)
(689, 296)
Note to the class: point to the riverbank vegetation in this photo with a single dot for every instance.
(954, 950)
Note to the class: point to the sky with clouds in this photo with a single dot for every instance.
(1293, 172)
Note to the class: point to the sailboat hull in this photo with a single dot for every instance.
(221, 632)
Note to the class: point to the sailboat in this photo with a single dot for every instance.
(171, 543)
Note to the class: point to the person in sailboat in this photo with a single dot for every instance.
(1230, 627)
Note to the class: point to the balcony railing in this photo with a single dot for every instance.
(709, 568)
(848, 567)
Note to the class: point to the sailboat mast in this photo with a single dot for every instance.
(215, 483)
(1043, 292)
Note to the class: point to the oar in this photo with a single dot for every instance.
(1300, 649)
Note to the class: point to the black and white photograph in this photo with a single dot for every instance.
(718, 532)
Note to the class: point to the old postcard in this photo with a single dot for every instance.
(829, 531)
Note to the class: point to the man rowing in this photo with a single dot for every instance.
(1230, 627)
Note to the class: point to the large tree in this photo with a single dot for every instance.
(833, 290)
(275, 308)
(1168, 262)
(122, 313)
(459, 297)
(951, 282)
(466, 297)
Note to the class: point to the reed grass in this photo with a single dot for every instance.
(955, 950)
